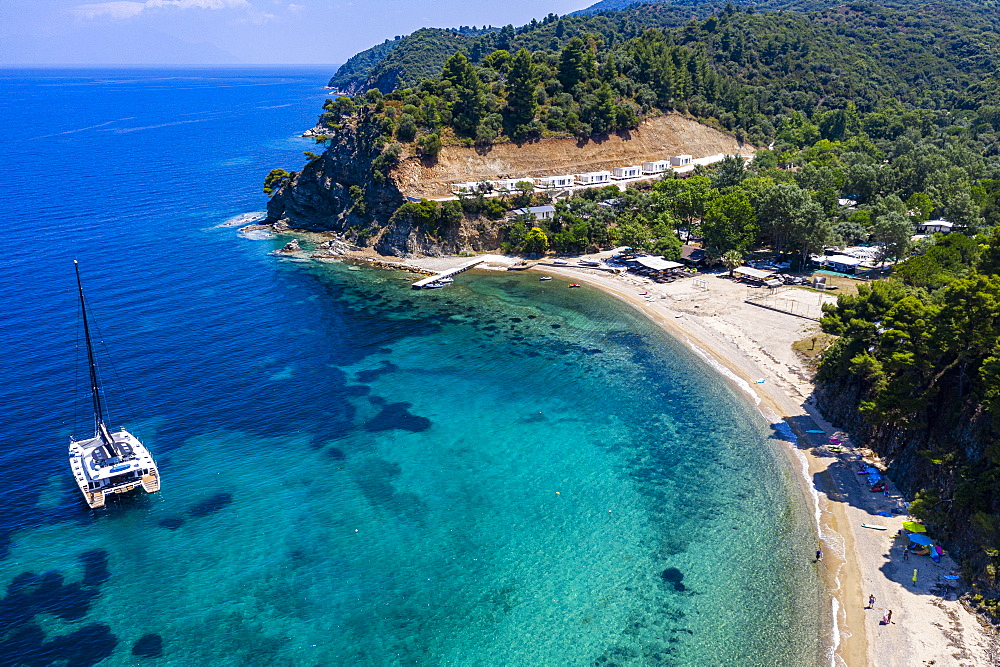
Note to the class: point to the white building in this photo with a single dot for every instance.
(540, 212)
(593, 177)
(471, 187)
(510, 184)
(627, 172)
(564, 181)
(937, 227)
(657, 167)
(680, 160)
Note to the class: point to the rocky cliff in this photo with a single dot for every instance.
(337, 192)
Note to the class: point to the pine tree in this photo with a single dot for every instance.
(573, 64)
(521, 100)
(469, 105)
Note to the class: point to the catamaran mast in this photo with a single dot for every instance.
(95, 391)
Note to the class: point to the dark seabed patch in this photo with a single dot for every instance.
(335, 454)
(95, 567)
(674, 577)
(171, 522)
(148, 646)
(397, 416)
(374, 374)
(211, 505)
(30, 594)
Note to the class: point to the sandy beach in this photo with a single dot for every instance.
(752, 347)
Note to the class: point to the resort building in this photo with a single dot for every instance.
(540, 212)
(471, 188)
(680, 160)
(510, 184)
(937, 227)
(593, 177)
(627, 172)
(564, 181)
(657, 167)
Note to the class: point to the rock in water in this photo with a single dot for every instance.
(290, 247)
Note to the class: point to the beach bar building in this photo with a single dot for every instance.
(680, 160)
(752, 273)
(563, 181)
(657, 263)
(657, 167)
(627, 172)
(593, 177)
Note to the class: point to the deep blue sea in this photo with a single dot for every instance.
(502, 472)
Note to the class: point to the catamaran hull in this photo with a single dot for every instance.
(97, 479)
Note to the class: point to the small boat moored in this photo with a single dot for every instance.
(546, 278)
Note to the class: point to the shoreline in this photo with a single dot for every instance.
(935, 631)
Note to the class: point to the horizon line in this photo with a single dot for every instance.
(140, 65)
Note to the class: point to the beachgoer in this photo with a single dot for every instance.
(888, 617)
(906, 553)
(871, 601)
(886, 492)
(819, 555)
(885, 619)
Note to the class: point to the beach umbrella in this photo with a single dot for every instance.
(921, 539)
(914, 527)
(873, 471)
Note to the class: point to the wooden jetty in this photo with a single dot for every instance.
(420, 284)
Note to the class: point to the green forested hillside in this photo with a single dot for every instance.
(738, 69)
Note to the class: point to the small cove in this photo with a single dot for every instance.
(500, 472)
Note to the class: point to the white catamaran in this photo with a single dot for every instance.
(108, 462)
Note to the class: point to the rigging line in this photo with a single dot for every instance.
(129, 412)
(76, 375)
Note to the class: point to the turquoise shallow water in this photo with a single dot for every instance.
(502, 472)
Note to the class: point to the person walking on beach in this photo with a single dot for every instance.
(819, 555)
(871, 601)
(906, 553)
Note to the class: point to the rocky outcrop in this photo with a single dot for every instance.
(338, 191)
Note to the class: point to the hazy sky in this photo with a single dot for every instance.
(234, 31)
